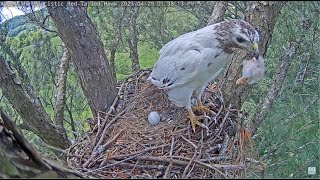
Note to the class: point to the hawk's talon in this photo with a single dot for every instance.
(202, 108)
(195, 120)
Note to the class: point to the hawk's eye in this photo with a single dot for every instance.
(240, 39)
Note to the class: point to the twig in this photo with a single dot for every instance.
(107, 144)
(102, 165)
(217, 115)
(180, 131)
(167, 173)
(220, 110)
(183, 176)
(95, 153)
(225, 144)
(133, 139)
(109, 124)
(223, 121)
(69, 149)
(112, 107)
(218, 166)
(53, 148)
(118, 162)
(137, 166)
(221, 126)
(61, 168)
(98, 121)
(110, 165)
(112, 140)
(196, 147)
(217, 158)
(193, 158)
(139, 152)
(214, 167)
(126, 165)
(85, 132)
(137, 81)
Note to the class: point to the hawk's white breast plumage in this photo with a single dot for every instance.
(188, 63)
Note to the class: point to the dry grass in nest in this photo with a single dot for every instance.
(123, 144)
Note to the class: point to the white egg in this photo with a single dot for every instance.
(154, 118)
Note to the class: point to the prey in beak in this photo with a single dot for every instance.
(253, 71)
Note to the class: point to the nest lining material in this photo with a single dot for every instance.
(122, 143)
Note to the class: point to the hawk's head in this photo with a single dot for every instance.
(238, 34)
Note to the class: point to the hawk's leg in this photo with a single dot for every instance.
(195, 120)
(201, 107)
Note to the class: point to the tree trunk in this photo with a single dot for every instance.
(19, 159)
(86, 51)
(22, 73)
(34, 116)
(263, 15)
(218, 12)
(61, 93)
(133, 42)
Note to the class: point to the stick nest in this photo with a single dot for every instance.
(122, 143)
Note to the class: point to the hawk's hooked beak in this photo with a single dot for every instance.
(256, 50)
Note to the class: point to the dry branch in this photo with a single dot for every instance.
(33, 113)
(218, 12)
(61, 91)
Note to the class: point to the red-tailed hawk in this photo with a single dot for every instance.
(188, 63)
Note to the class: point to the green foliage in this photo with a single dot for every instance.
(291, 130)
(147, 57)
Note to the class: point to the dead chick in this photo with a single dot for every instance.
(253, 71)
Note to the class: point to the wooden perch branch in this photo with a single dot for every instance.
(218, 12)
(61, 91)
(266, 105)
